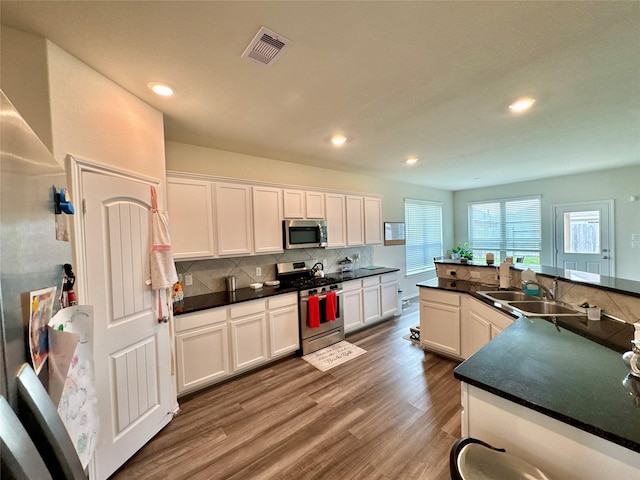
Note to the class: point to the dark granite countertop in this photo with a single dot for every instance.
(606, 332)
(221, 299)
(562, 375)
(617, 285)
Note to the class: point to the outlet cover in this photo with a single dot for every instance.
(475, 274)
(188, 279)
(258, 271)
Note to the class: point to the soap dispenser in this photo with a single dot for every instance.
(632, 358)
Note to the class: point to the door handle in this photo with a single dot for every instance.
(605, 257)
(163, 320)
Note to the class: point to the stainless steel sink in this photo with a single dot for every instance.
(529, 305)
(508, 295)
(542, 308)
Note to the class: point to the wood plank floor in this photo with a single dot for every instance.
(391, 413)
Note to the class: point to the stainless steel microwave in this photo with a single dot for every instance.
(304, 233)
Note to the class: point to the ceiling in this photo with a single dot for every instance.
(399, 79)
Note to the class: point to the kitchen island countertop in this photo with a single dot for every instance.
(562, 375)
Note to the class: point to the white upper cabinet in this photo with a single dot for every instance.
(267, 220)
(303, 204)
(294, 203)
(372, 220)
(355, 220)
(315, 205)
(190, 210)
(233, 219)
(336, 220)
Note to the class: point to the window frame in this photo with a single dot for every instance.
(504, 246)
(427, 253)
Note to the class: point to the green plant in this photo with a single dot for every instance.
(463, 250)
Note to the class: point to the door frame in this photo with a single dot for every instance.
(75, 167)
(611, 230)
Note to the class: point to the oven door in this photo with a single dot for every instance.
(325, 325)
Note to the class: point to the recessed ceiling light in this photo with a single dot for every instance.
(412, 161)
(522, 104)
(160, 88)
(338, 140)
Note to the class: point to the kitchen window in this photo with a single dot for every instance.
(423, 224)
(507, 228)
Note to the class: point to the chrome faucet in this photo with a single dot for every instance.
(548, 293)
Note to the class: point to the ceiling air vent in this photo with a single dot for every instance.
(266, 47)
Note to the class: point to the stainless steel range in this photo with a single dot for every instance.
(320, 300)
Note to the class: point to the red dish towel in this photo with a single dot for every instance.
(314, 312)
(330, 306)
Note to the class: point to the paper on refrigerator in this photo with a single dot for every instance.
(72, 378)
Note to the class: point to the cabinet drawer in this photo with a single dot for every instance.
(438, 296)
(283, 300)
(247, 308)
(371, 281)
(389, 277)
(352, 285)
(200, 319)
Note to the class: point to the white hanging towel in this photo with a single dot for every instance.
(163, 270)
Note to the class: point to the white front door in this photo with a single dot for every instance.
(132, 353)
(583, 237)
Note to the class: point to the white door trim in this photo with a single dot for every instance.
(611, 231)
(75, 167)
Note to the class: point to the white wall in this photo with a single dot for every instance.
(614, 184)
(76, 110)
(190, 158)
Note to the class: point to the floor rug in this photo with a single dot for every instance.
(333, 355)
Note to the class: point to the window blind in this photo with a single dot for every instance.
(505, 225)
(423, 230)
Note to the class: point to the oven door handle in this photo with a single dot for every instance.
(320, 297)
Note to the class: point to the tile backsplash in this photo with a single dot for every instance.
(209, 275)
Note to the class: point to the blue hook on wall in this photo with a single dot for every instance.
(62, 201)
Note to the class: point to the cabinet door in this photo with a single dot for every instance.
(267, 220)
(284, 330)
(353, 313)
(249, 341)
(190, 210)
(233, 219)
(372, 221)
(355, 220)
(478, 332)
(371, 303)
(389, 297)
(336, 220)
(440, 327)
(294, 203)
(315, 205)
(202, 356)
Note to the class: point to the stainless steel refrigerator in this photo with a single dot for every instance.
(31, 258)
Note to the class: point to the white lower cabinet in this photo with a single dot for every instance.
(440, 321)
(369, 299)
(214, 344)
(481, 323)
(248, 334)
(202, 348)
(284, 330)
(352, 302)
(389, 294)
(457, 324)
